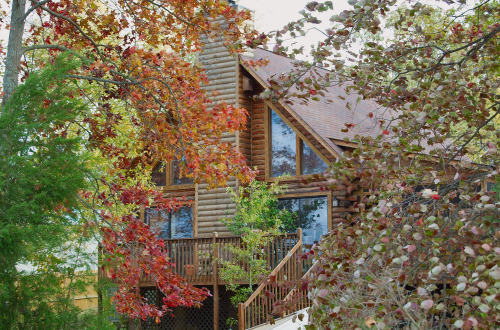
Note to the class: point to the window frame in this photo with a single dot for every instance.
(169, 172)
(299, 140)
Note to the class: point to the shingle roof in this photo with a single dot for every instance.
(328, 116)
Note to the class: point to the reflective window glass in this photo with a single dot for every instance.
(311, 214)
(283, 147)
(174, 224)
(158, 175)
(176, 174)
(311, 162)
(182, 223)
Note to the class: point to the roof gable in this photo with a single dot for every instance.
(325, 118)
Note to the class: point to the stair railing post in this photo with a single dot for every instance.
(241, 317)
(301, 263)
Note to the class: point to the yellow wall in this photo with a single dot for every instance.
(86, 300)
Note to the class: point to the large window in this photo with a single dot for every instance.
(164, 175)
(289, 153)
(311, 214)
(172, 224)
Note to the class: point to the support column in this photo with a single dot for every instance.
(215, 272)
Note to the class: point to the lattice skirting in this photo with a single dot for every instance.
(193, 318)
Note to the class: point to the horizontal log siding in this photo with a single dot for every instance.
(258, 134)
(188, 193)
(222, 71)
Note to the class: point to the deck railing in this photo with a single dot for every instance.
(259, 306)
(195, 259)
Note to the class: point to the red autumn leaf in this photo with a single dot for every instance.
(136, 95)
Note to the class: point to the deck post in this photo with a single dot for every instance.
(241, 317)
(215, 281)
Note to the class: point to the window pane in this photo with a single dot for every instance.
(283, 147)
(313, 219)
(182, 222)
(158, 220)
(311, 162)
(176, 171)
(158, 176)
(292, 205)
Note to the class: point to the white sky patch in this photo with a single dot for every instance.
(270, 15)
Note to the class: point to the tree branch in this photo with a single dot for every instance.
(37, 5)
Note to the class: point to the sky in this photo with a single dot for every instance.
(274, 14)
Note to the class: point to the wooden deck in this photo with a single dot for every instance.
(195, 259)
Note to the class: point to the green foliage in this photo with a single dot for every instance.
(257, 219)
(42, 168)
(257, 209)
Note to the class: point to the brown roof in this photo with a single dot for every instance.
(328, 116)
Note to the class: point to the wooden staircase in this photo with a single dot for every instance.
(258, 309)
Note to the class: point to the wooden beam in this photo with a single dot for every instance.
(216, 282)
(195, 212)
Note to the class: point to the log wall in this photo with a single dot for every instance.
(222, 71)
(253, 143)
(226, 77)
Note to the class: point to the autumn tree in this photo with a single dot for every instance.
(145, 102)
(424, 250)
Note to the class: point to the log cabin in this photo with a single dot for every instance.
(298, 140)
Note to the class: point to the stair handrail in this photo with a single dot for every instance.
(300, 305)
(260, 288)
(289, 295)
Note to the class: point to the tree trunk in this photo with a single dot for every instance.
(14, 49)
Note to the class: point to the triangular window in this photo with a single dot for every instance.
(289, 153)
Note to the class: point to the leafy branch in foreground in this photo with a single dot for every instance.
(424, 252)
(145, 103)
